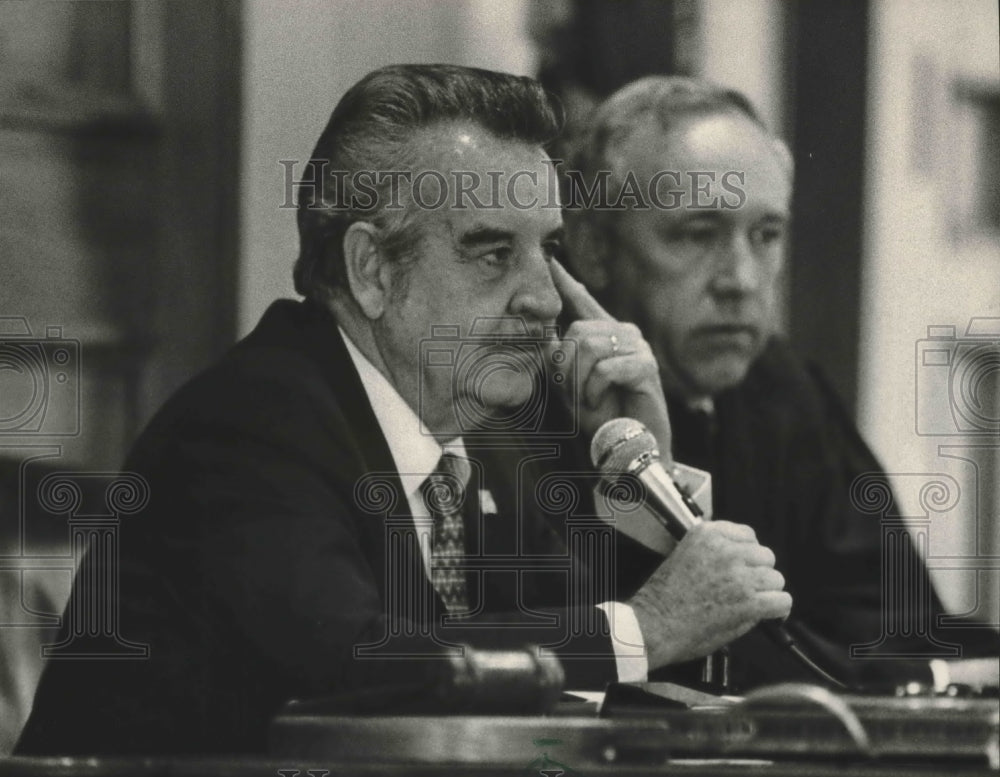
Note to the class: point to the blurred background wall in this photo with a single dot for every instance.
(145, 149)
(929, 372)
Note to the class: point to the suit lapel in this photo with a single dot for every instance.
(372, 487)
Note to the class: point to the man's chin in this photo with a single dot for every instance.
(504, 400)
(508, 403)
(720, 374)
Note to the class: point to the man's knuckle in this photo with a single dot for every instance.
(766, 581)
(647, 366)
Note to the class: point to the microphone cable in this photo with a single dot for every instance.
(777, 633)
(624, 446)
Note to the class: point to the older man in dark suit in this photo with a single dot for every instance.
(263, 570)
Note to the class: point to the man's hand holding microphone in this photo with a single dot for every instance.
(720, 581)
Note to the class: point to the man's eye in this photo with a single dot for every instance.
(553, 249)
(696, 235)
(498, 257)
(767, 235)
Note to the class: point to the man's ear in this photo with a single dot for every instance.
(367, 273)
(588, 250)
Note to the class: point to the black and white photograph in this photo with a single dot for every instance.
(481, 387)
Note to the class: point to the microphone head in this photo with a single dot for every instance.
(618, 443)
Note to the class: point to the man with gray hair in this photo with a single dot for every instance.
(678, 207)
(320, 498)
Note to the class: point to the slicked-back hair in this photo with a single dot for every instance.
(670, 101)
(370, 131)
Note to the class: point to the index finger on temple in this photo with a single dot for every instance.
(575, 295)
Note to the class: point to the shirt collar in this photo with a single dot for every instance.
(415, 453)
(704, 405)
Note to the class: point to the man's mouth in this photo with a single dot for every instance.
(736, 335)
(517, 339)
(511, 330)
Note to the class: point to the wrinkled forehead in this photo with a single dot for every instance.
(717, 161)
(719, 141)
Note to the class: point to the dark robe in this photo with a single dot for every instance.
(783, 454)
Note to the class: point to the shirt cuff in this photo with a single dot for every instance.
(941, 673)
(626, 640)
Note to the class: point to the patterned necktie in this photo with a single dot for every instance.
(444, 494)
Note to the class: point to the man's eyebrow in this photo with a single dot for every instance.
(708, 214)
(482, 235)
(780, 216)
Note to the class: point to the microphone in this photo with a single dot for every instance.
(625, 446)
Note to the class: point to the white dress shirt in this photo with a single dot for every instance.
(416, 455)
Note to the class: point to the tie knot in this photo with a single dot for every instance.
(444, 488)
(458, 466)
(694, 428)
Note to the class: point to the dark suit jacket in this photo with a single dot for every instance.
(260, 564)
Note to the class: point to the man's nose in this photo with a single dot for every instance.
(536, 296)
(737, 268)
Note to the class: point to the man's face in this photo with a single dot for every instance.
(487, 266)
(699, 278)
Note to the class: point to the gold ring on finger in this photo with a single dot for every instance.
(615, 345)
